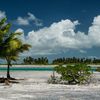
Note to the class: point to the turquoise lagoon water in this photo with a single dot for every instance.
(28, 68)
(93, 68)
(34, 68)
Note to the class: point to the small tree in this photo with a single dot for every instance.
(74, 74)
(10, 45)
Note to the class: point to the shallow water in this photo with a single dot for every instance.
(28, 68)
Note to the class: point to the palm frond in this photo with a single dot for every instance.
(3, 21)
(13, 35)
(10, 45)
(24, 47)
(6, 28)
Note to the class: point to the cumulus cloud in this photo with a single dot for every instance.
(57, 38)
(22, 36)
(94, 32)
(61, 36)
(2, 14)
(30, 18)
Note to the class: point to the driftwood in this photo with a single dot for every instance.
(7, 81)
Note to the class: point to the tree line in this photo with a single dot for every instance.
(64, 60)
(30, 60)
(76, 60)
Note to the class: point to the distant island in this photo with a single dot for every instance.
(64, 60)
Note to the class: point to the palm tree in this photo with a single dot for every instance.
(10, 46)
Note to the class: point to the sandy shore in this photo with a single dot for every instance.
(35, 87)
(29, 65)
(92, 65)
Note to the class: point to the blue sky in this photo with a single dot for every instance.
(56, 28)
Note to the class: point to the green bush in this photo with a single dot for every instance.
(98, 69)
(74, 74)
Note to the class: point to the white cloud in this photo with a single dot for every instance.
(22, 21)
(19, 30)
(57, 38)
(83, 51)
(61, 37)
(2, 14)
(22, 36)
(30, 18)
(58, 35)
(94, 31)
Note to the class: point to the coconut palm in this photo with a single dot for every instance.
(10, 46)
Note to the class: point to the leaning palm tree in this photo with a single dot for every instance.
(11, 46)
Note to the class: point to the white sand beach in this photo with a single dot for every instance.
(35, 87)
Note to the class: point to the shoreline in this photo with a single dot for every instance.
(30, 66)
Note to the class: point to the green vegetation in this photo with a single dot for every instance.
(75, 60)
(76, 74)
(98, 69)
(10, 44)
(41, 61)
(57, 61)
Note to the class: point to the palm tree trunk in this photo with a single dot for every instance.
(8, 70)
